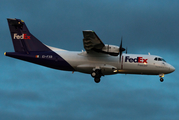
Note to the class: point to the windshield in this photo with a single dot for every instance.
(159, 59)
(163, 60)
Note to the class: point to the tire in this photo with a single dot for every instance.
(93, 74)
(97, 80)
(161, 79)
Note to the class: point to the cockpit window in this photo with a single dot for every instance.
(163, 60)
(159, 59)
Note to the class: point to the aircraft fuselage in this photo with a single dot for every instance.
(99, 59)
(83, 62)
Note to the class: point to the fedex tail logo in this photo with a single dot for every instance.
(135, 60)
(23, 36)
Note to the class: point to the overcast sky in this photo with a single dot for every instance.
(29, 91)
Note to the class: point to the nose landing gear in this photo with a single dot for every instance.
(161, 77)
(96, 75)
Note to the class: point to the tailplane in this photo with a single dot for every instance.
(23, 40)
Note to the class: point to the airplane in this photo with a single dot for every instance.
(99, 59)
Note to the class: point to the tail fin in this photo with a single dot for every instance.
(23, 40)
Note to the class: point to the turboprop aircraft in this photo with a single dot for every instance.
(99, 59)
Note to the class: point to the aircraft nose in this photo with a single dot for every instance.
(172, 69)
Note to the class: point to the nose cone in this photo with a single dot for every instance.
(172, 69)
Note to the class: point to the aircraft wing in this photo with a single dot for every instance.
(91, 41)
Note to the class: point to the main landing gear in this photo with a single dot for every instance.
(161, 77)
(96, 74)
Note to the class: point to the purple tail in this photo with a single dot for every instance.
(23, 40)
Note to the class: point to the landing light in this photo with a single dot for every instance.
(115, 71)
(145, 63)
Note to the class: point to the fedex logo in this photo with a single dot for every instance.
(23, 36)
(135, 60)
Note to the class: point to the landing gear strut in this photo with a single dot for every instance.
(96, 75)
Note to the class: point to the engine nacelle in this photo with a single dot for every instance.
(111, 49)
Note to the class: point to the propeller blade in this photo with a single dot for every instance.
(121, 49)
(120, 57)
(121, 43)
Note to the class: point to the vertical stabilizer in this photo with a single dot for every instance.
(23, 40)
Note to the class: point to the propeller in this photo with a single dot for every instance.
(121, 49)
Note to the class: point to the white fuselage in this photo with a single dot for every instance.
(129, 64)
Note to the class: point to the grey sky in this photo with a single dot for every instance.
(30, 91)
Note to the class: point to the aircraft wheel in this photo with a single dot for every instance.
(93, 74)
(161, 79)
(96, 73)
(97, 80)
